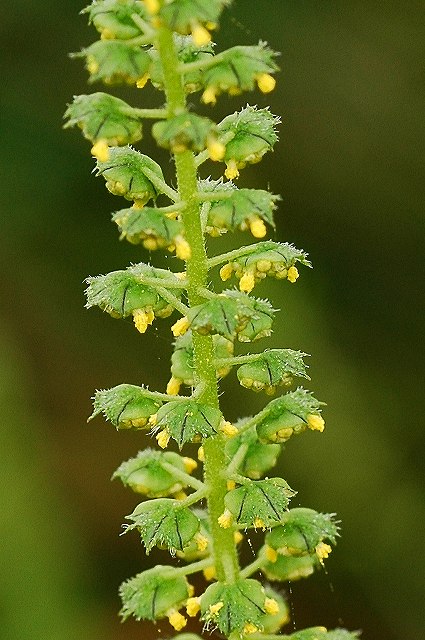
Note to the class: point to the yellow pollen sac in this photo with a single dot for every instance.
(138, 204)
(201, 542)
(228, 429)
(180, 327)
(315, 422)
(92, 65)
(201, 454)
(180, 495)
(177, 620)
(293, 274)
(209, 96)
(263, 266)
(231, 484)
(139, 422)
(322, 551)
(271, 606)
(163, 438)
(257, 227)
(200, 35)
(173, 386)
(250, 628)
(226, 272)
(100, 150)
(153, 418)
(247, 282)
(189, 464)
(266, 82)
(141, 82)
(271, 554)
(259, 524)
(190, 590)
(150, 244)
(183, 250)
(107, 34)
(193, 606)
(142, 319)
(215, 608)
(209, 573)
(152, 6)
(238, 537)
(225, 520)
(216, 150)
(232, 171)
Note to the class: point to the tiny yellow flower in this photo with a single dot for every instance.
(315, 422)
(257, 227)
(153, 418)
(173, 386)
(271, 554)
(190, 590)
(200, 35)
(228, 429)
(225, 520)
(232, 171)
(100, 150)
(263, 266)
(139, 422)
(250, 628)
(247, 282)
(216, 150)
(92, 65)
(209, 96)
(180, 327)
(238, 537)
(266, 82)
(163, 438)
(226, 272)
(293, 274)
(201, 542)
(183, 250)
(209, 573)
(215, 608)
(189, 464)
(231, 484)
(141, 82)
(142, 319)
(201, 454)
(138, 204)
(152, 6)
(322, 551)
(176, 620)
(193, 606)
(259, 524)
(271, 606)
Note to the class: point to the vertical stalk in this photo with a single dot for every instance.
(225, 555)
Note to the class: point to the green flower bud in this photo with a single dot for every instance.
(125, 406)
(301, 531)
(151, 594)
(164, 522)
(115, 61)
(321, 633)
(259, 503)
(182, 363)
(184, 131)
(147, 226)
(259, 457)
(124, 173)
(272, 368)
(194, 550)
(113, 18)
(104, 117)
(145, 474)
(238, 69)
(253, 135)
(290, 568)
(180, 15)
(188, 421)
(287, 415)
(233, 607)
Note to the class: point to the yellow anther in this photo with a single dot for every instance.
(293, 274)
(209, 573)
(183, 250)
(153, 418)
(247, 282)
(238, 537)
(257, 227)
(193, 606)
(315, 422)
(209, 96)
(190, 590)
(231, 484)
(201, 454)
(232, 171)
(163, 438)
(177, 620)
(264, 266)
(107, 34)
(189, 464)
(150, 244)
(139, 422)
(259, 524)
(180, 495)
(200, 35)
(285, 434)
(152, 6)
(141, 82)
(216, 150)
(100, 150)
(266, 82)
(225, 520)
(180, 327)
(215, 608)
(226, 272)
(173, 386)
(322, 551)
(180, 275)
(142, 319)
(92, 65)
(250, 628)
(271, 554)
(201, 542)
(228, 429)
(138, 204)
(271, 606)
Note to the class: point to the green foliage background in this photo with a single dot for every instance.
(349, 170)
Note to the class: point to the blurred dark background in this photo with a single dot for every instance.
(349, 168)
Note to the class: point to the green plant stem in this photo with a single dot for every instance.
(238, 458)
(153, 114)
(225, 555)
(183, 476)
(160, 185)
(195, 497)
(252, 568)
(234, 361)
(237, 253)
(195, 567)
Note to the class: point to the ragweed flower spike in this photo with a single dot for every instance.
(196, 509)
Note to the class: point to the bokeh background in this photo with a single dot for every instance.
(349, 168)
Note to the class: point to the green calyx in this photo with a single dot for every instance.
(148, 226)
(301, 531)
(182, 359)
(115, 18)
(125, 406)
(188, 421)
(260, 503)
(271, 369)
(115, 62)
(232, 607)
(258, 457)
(184, 15)
(183, 132)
